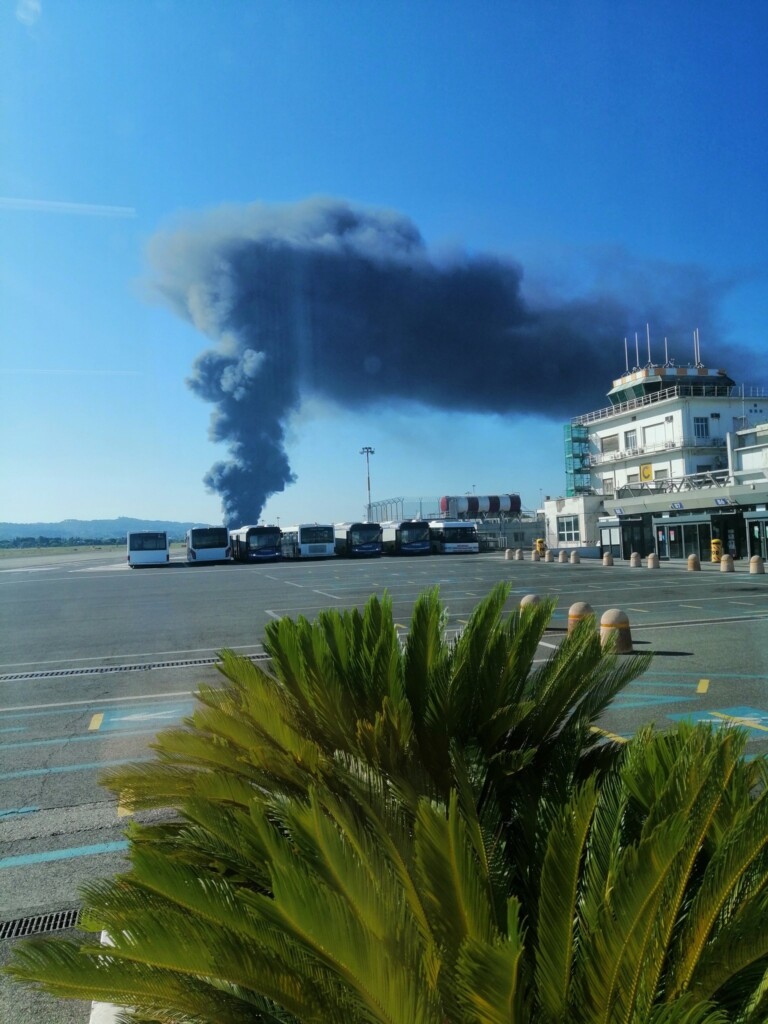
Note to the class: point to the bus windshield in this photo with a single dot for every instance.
(317, 535)
(364, 533)
(265, 539)
(209, 537)
(147, 542)
(412, 532)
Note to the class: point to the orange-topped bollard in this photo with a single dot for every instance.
(694, 564)
(529, 600)
(756, 565)
(716, 549)
(541, 545)
(615, 625)
(726, 563)
(577, 613)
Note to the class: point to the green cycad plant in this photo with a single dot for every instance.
(372, 742)
(654, 889)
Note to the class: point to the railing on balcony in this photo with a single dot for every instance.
(679, 391)
(601, 458)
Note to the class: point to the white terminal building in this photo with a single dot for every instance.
(679, 459)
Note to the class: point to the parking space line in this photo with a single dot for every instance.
(750, 723)
(67, 853)
(323, 593)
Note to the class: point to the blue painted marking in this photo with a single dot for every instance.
(73, 851)
(744, 714)
(11, 811)
(72, 739)
(123, 719)
(663, 682)
(639, 700)
(28, 773)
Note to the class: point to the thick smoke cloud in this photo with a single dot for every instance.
(330, 299)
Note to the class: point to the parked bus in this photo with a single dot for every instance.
(448, 537)
(309, 540)
(208, 544)
(358, 540)
(256, 543)
(409, 537)
(147, 547)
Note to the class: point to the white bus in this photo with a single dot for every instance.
(147, 547)
(358, 540)
(308, 540)
(208, 544)
(256, 543)
(407, 537)
(449, 537)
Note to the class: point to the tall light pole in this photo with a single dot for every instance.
(367, 451)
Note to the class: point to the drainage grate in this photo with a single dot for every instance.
(41, 925)
(97, 670)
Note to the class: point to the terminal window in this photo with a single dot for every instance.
(701, 426)
(568, 529)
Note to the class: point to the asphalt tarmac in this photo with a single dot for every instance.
(95, 658)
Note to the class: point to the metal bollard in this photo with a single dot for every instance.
(634, 560)
(756, 565)
(694, 563)
(615, 623)
(577, 613)
(575, 558)
(529, 599)
(653, 561)
(726, 563)
(607, 558)
(562, 556)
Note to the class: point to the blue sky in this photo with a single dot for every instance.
(600, 146)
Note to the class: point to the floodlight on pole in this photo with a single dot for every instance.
(367, 451)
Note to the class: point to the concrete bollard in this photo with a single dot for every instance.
(756, 565)
(508, 555)
(529, 599)
(575, 558)
(519, 555)
(548, 556)
(653, 561)
(615, 623)
(694, 565)
(562, 556)
(577, 613)
(607, 558)
(634, 560)
(535, 556)
(726, 563)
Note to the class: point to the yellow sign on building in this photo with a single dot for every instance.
(646, 471)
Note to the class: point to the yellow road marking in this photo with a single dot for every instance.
(609, 735)
(96, 722)
(703, 686)
(749, 722)
(123, 810)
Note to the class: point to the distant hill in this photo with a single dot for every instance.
(93, 529)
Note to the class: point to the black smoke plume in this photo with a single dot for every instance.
(326, 298)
